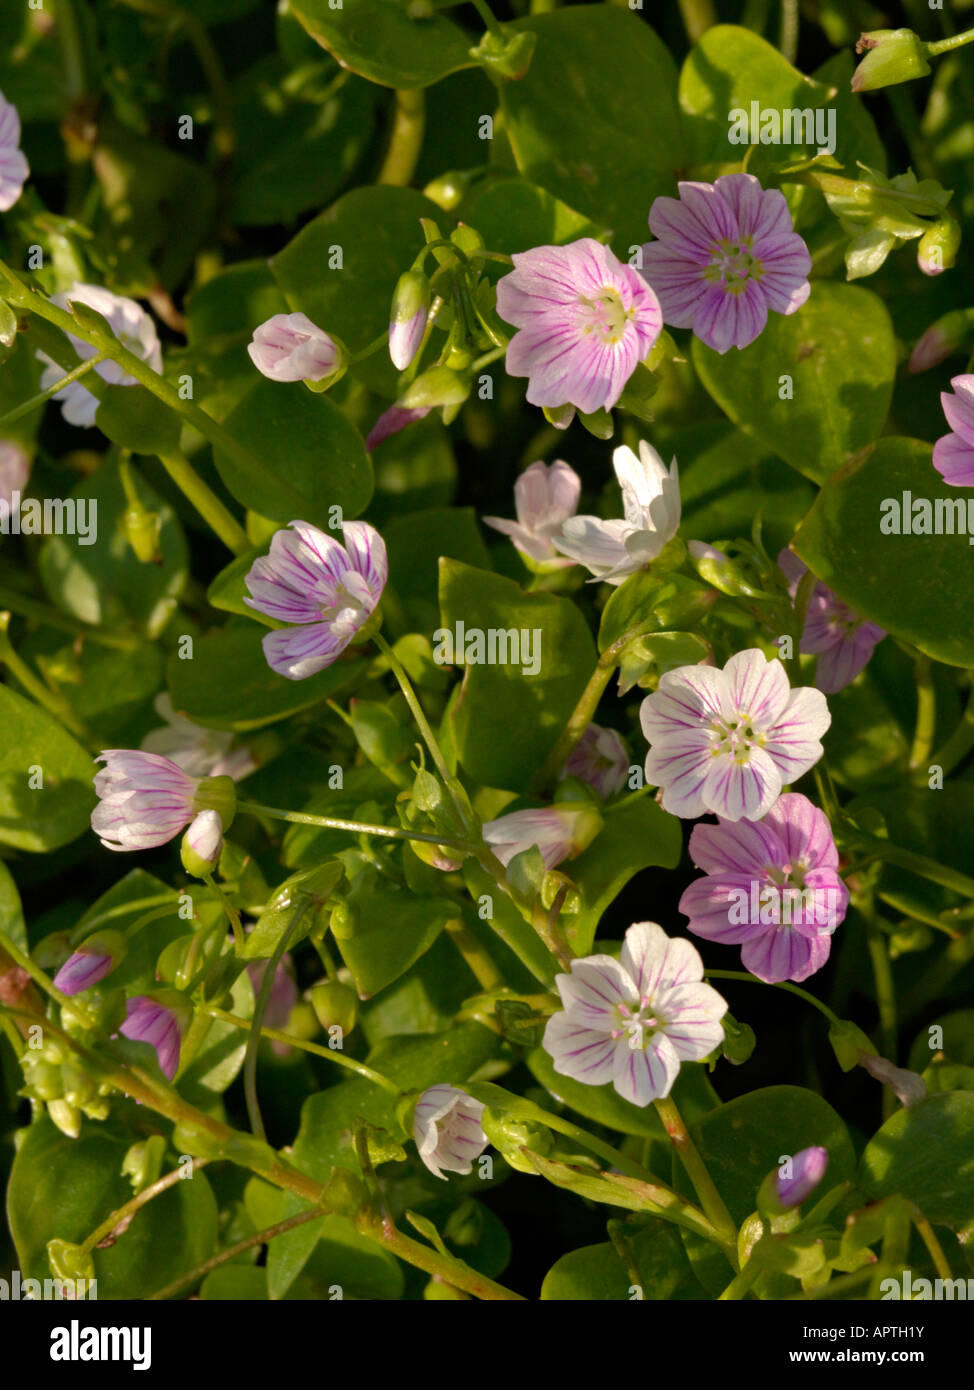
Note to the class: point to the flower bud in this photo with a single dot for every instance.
(942, 339)
(849, 1043)
(447, 1130)
(142, 1163)
(407, 321)
(66, 1116)
(937, 250)
(8, 325)
(335, 1004)
(289, 347)
(509, 1136)
(448, 190)
(97, 955)
(201, 844)
(796, 1179)
(892, 55)
(438, 386)
(720, 571)
(739, 1040)
(142, 530)
(42, 1078)
(505, 57)
(79, 1086)
(69, 1261)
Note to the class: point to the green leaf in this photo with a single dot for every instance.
(342, 268)
(416, 542)
(595, 121)
(278, 914)
(507, 721)
(392, 930)
(43, 816)
(133, 418)
(925, 1152)
(839, 352)
(11, 912)
(731, 67)
(228, 684)
(379, 40)
(61, 1187)
(312, 458)
(597, 1272)
(912, 585)
(132, 897)
(632, 838)
(101, 580)
(513, 215)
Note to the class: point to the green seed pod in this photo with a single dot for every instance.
(335, 1004)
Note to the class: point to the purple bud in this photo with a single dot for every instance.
(91, 962)
(807, 1170)
(391, 421)
(152, 1022)
(407, 323)
(943, 338)
(289, 347)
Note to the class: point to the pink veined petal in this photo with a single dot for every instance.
(655, 961)
(804, 831)
(299, 652)
(593, 991)
(682, 773)
(734, 789)
(755, 688)
(784, 954)
(759, 212)
(959, 408)
(793, 742)
(953, 459)
(725, 319)
(690, 696)
(742, 847)
(709, 901)
(579, 1052)
(841, 662)
(367, 554)
(693, 1012)
(644, 1075)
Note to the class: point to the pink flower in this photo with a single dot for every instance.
(586, 322)
(804, 1173)
(771, 886)
(14, 169)
(560, 832)
(728, 740)
(14, 470)
(953, 455)
(842, 640)
(391, 421)
(327, 590)
(95, 958)
(151, 1021)
(144, 800)
(545, 496)
(725, 254)
(133, 328)
(635, 1020)
(289, 347)
(601, 759)
(447, 1130)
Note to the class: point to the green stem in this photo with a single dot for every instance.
(332, 1054)
(934, 1248)
(260, 1008)
(43, 396)
(960, 742)
(871, 847)
(264, 1237)
(926, 714)
(792, 989)
(698, 1173)
(698, 16)
(22, 959)
(487, 15)
(788, 40)
(476, 955)
(206, 502)
(233, 916)
(354, 827)
(416, 709)
(128, 1210)
(406, 141)
(582, 715)
(949, 44)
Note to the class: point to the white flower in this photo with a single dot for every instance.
(633, 1021)
(14, 170)
(612, 550)
(204, 836)
(200, 752)
(545, 496)
(14, 470)
(447, 1130)
(133, 328)
(289, 347)
(728, 740)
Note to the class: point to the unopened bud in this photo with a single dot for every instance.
(509, 1136)
(407, 320)
(937, 250)
(201, 844)
(335, 1004)
(892, 55)
(942, 339)
(440, 386)
(66, 1116)
(142, 530)
(95, 958)
(505, 57)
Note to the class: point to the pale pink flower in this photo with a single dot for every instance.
(447, 1130)
(805, 1171)
(560, 832)
(144, 800)
(601, 759)
(953, 455)
(725, 253)
(198, 751)
(151, 1021)
(545, 496)
(14, 169)
(327, 590)
(635, 1020)
(133, 328)
(14, 470)
(728, 740)
(613, 550)
(289, 347)
(586, 321)
(842, 639)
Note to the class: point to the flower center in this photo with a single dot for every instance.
(735, 738)
(341, 599)
(606, 315)
(637, 1023)
(733, 263)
